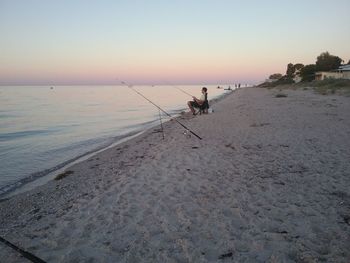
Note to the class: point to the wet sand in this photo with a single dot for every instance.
(269, 182)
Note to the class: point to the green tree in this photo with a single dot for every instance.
(275, 76)
(307, 73)
(327, 62)
(298, 66)
(290, 71)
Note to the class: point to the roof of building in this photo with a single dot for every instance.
(345, 67)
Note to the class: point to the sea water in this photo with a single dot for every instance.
(44, 128)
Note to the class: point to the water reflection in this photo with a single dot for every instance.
(43, 127)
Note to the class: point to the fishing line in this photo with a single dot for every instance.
(161, 123)
(159, 108)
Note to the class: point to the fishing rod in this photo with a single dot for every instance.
(159, 108)
(24, 253)
(161, 123)
(160, 116)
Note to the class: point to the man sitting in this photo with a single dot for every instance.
(201, 103)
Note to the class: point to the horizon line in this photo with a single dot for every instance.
(120, 84)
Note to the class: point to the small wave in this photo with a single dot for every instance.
(34, 176)
(21, 134)
(3, 116)
(139, 109)
(92, 104)
(142, 125)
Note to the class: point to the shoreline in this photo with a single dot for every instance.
(42, 177)
(268, 183)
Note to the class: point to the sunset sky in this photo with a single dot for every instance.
(57, 42)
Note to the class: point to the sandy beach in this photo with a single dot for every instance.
(269, 182)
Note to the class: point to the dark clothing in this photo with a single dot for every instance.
(205, 104)
(194, 104)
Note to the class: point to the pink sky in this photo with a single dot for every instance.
(155, 42)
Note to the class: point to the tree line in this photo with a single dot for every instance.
(324, 62)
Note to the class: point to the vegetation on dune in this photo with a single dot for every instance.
(281, 81)
(306, 75)
(331, 86)
(338, 83)
(276, 76)
(324, 62)
(324, 87)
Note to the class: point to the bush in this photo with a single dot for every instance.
(63, 175)
(276, 76)
(281, 95)
(282, 81)
(333, 82)
(330, 85)
(307, 73)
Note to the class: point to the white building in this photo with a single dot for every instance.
(343, 72)
(297, 77)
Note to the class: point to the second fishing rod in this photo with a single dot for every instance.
(166, 113)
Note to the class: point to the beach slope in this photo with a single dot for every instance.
(269, 182)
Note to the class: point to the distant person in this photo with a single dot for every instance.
(239, 85)
(201, 103)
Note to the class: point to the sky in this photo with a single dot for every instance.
(70, 42)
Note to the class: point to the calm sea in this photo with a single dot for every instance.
(45, 128)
